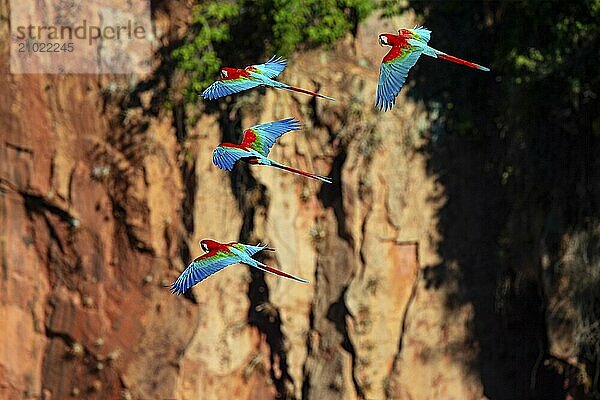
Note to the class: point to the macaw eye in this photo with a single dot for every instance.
(204, 246)
(223, 73)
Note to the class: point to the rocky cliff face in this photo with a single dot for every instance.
(105, 192)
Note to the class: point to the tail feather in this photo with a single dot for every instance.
(299, 172)
(296, 89)
(278, 272)
(448, 57)
(243, 257)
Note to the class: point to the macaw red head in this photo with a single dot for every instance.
(208, 245)
(224, 73)
(385, 39)
(233, 73)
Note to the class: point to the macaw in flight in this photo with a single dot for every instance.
(218, 256)
(234, 80)
(406, 47)
(256, 145)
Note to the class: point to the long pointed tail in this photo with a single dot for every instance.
(303, 173)
(266, 268)
(295, 89)
(448, 57)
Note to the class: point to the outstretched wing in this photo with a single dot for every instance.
(262, 137)
(392, 74)
(421, 33)
(271, 68)
(201, 268)
(249, 249)
(225, 87)
(226, 157)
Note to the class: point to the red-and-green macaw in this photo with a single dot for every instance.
(256, 145)
(218, 256)
(406, 47)
(234, 80)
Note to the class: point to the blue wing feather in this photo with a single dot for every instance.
(223, 88)
(392, 76)
(273, 67)
(249, 249)
(423, 34)
(226, 157)
(269, 132)
(200, 269)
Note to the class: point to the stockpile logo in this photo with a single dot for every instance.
(85, 37)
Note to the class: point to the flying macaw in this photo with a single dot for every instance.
(218, 256)
(406, 47)
(256, 145)
(234, 80)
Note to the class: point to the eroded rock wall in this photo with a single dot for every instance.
(103, 200)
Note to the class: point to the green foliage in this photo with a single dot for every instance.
(568, 37)
(247, 31)
(393, 7)
(315, 22)
(199, 55)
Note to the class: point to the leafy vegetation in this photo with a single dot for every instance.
(198, 55)
(261, 28)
